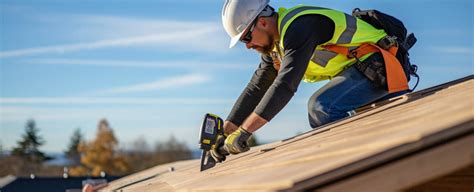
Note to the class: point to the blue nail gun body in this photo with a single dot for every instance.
(211, 127)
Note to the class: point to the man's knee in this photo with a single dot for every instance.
(321, 111)
(317, 112)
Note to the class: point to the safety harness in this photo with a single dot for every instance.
(395, 76)
(394, 48)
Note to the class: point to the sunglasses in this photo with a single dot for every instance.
(247, 37)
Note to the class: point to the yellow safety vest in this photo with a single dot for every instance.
(349, 32)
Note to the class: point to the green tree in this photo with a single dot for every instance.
(72, 151)
(28, 146)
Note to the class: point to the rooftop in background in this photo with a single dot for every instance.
(48, 184)
(389, 146)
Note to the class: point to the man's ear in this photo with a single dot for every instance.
(263, 21)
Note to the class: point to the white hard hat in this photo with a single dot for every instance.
(237, 15)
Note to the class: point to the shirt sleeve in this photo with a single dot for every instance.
(254, 91)
(301, 38)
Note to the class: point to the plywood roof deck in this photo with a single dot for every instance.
(397, 138)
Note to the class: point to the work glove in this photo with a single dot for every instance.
(219, 155)
(237, 142)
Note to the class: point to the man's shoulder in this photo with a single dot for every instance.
(308, 27)
(309, 22)
(298, 31)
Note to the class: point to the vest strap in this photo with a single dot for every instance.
(396, 79)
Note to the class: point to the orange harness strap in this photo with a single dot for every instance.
(396, 78)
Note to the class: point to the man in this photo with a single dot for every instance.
(295, 44)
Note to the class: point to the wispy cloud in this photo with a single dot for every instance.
(118, 26)
(101, 31)
(454, 49)
(167, 38)
(184, 64)
(170, 82)
(437, 32)
(110, 100)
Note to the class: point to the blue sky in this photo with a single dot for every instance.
(154, 68)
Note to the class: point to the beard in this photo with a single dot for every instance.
(267, 48)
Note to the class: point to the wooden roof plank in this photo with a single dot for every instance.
(336, 151)
(412, 170)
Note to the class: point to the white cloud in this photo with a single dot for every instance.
(171, 82)
(68, 109)
(166, 38)
(101, 31)
(118, 26)
(444, 32)
(109, 100)
(99, 26)
(454, 49)
(140, 64)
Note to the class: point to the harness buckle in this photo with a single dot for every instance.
(353, 54)
(387, 42)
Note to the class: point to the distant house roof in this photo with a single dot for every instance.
(6, 180)
(46, 184)
(388, 146)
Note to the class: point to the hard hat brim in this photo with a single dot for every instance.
(235, 39)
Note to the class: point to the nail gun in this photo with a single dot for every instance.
(212, 126)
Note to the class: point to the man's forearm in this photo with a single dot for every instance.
(253, 92)
(229, 127)
(253, 123)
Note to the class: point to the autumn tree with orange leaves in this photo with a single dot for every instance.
(100, 155)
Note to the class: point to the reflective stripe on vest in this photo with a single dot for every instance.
(348, 31)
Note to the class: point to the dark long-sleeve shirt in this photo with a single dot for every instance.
(270, 90)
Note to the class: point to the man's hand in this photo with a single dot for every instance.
(219, 155)
(237, 141)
